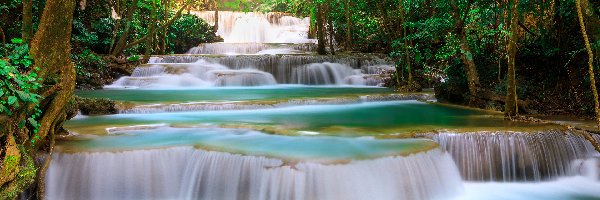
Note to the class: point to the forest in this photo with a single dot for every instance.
(527, 62)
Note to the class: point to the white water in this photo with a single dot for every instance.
(187, 173)
(252, 48)
(244, 71)
(253, 27)
(197, 75)
(515, 156)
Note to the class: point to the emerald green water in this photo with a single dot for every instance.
(254, 143)
(230, 94)
(352, 119)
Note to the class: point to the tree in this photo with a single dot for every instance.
(590, 60)
(348, 26)
(404, 35)
(51, 52)
(216, 5)
(466, 54)
(320, 29)
(129, 12)
(123, 45)
(511, 108)
(27, 27)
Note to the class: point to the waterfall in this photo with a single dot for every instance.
(515, 156)
(323, 74)
(187, 173)
(252, 48)
(203, 71)
(199, 74)
(281, 66)
(254, 27)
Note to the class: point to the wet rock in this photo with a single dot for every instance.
(88, 106)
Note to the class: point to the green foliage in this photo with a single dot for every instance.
(85, 60)
(19, 83)
(133, 58)
(189, 31)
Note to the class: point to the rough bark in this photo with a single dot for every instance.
(320, 31)
(51, 51)
(511, 109)
(27, 26)
(590, 60)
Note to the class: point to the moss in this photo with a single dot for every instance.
(27, 172)
(88, 106)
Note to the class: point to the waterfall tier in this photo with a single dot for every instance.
(187, 173)
(515, 156)
(253, 27)
(200, 74)
(252, 48)
(286, 69)
(252, 105)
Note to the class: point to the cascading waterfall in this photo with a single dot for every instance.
(288, 68)
(187, 173)
(270, 48)
(252, 48)
(253, 27)
(323, 74)
(515, 156)
(199, 74)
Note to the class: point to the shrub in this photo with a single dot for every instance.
(189, 31)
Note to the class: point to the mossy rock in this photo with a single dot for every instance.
(89, 106)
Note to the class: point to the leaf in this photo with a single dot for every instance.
(17, 41)
(12, 100)
(4, 109)
(32, 122)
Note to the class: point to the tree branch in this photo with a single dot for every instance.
(169, 23)
(526, 29)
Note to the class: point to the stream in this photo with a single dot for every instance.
(261, 117)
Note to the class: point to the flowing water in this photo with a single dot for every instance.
(260, 117)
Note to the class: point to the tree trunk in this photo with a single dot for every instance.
(511, 109)
(163, 34)
(27, 27)
(470, 68)
(3, 39)
(119, 46)
(404, 35)
(51, 51)
(348, 26)
(163, 27)
(320, 30)
(466, 54)
(216, 27)
(590, 60)
(331, 32)
(150, 40)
